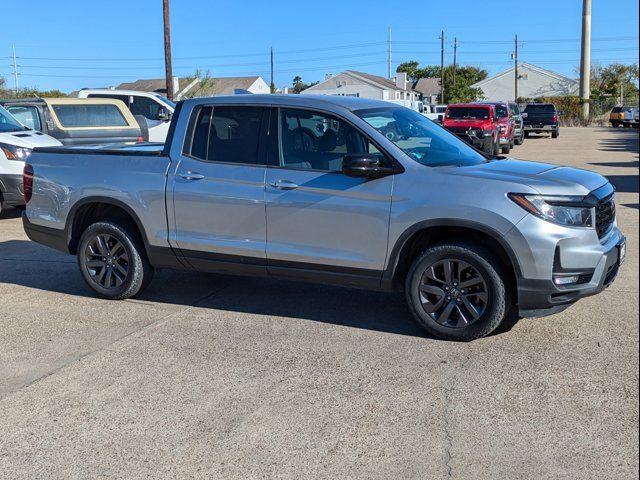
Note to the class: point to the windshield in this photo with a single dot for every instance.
(420, 138)
(468, 113)
(8, 123)
(166, 100)
(540, 109)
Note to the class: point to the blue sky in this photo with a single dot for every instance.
(89, 43)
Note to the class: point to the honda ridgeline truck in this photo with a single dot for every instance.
(339, 190)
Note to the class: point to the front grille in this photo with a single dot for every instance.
(605, 215)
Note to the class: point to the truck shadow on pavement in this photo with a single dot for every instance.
(27, 264)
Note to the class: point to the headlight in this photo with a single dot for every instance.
(563, 210)
(15, 153)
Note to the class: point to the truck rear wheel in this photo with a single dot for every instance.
(457, 291)
(506, 148)
(555, 133)
(113, 261)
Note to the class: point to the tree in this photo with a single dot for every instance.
(465, 77)
(299, 85)
(203, 85)
(606, 81)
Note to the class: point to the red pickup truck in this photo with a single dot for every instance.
(475, 123)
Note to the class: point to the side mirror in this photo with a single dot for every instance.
(559, 113)
(365, 165)
(163, 114)
(525, 115)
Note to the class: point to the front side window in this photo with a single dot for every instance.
(27, 116)
(226, 134)
(87, 115)
(502, 111)
(419, 138)
(146, 107)
(318, 141)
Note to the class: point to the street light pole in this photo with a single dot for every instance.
(167, 49)
(442, 67)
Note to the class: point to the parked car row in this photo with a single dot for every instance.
(495, 127)
(625, 117)
(96, 117)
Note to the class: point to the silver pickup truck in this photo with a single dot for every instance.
(346, 191)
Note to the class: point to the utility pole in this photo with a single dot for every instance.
(15, 70)
(389, 54)
(585, 59)
(442, 67)
(167, 49)
(455, 57)
(515, 58)
(272, 85)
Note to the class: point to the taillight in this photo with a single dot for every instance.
(555, 118)
(27, 182)
(140, 139)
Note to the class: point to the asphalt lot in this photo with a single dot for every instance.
(216, 377)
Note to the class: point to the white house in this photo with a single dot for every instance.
(532, 82)
(359, 84)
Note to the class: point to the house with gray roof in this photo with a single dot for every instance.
(533, 82)
(351, 83)
(216, 86)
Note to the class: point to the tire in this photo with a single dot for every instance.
(519, 140)
(487, 147)
(512, 143)
(526, 134)
(113, 272)
(555, 133)
(489, 300)
(506, 149)
(496, 148)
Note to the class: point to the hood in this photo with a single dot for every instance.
(28, 139)
(544, 178)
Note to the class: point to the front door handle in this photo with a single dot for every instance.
(192, 176)
(283, 185)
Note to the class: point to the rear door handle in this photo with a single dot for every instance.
(283, 185)
(192, 176)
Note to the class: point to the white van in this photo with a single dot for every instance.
(156, 109)
(16, 144)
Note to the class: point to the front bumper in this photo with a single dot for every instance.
(537, 298)
(11, 189)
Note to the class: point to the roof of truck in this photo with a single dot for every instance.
(294, 100)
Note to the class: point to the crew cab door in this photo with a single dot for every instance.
(218, 190)
(319, 219)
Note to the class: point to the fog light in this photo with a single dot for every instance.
(566, 280)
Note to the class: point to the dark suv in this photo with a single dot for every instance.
(541, 117)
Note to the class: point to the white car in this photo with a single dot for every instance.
(434, 112)
(16, 144)
(156, 109)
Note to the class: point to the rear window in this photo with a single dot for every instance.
(471, 113)
(544, 108)
(616, 110)
(89, 116)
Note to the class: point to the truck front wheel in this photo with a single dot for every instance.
(457, 291)
(113, 261)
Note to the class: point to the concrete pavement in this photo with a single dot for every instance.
(207, 376)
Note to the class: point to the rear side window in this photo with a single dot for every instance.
(545, 108)
(27, 115)
(71, 116)
(227, 134)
